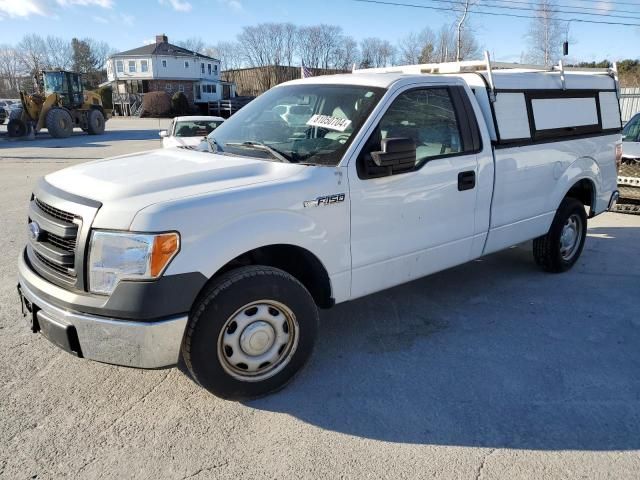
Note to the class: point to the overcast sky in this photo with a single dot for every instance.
(127, 24)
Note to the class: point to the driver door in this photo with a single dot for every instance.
(408, 224)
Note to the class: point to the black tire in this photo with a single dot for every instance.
(15, 113)
(95, 122)
(549, 251)
(59, 123)
(16, 128)
(234, 293)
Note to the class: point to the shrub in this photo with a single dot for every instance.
(179, 104)
(156, 104)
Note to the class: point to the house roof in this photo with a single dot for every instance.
(163, 48)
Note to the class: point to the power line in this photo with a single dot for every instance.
(473, 8)
(495, 14)
(551, 10)
(557, 5)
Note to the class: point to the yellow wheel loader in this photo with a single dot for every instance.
(60, 105)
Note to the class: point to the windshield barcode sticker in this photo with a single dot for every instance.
(326, 121)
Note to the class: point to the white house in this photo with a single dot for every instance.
(163, 66)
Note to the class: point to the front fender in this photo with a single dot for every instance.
(212, 234)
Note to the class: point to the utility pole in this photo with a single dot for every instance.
(465, 11)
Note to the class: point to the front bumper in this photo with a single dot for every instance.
(148, 344)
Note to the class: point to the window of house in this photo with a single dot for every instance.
(186, 64)
(181, 88)
(164, 63)
(144, 66)
(209, 88)
(119, 66)
(202, 68)
(168, 87)
(132, 66)
(209, 68)
(215, 68)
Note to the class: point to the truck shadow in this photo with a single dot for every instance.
(79, 139)
(493, 353)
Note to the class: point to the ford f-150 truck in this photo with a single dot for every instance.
(222, 257)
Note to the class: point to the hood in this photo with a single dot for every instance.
(165, 172)
(124, 185)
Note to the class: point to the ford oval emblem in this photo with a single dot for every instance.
(34, 231)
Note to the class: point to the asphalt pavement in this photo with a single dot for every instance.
(491, 370)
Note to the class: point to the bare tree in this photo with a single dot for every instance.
(230, 55)
(195, 44)
(268, 45)
(376, 53)
(417, 48)
(58, 53)
(346, 54)
(32, 50)
(324, 46)
(545, 34)
(10, 70)
(100, 51)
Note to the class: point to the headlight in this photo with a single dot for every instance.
(116, 256)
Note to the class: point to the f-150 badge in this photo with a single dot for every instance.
(325, 200)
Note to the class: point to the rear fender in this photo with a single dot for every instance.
(584, 168)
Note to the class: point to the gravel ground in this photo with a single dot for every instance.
(488, 370)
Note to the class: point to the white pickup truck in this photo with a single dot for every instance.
(222, 258)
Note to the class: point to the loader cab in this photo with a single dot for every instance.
(66, 84)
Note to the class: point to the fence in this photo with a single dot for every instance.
(629, 102)
(255, 81)
(226, 108)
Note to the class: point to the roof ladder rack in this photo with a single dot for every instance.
(492, 88)
(562, 78)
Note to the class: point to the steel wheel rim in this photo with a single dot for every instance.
(570, 237)
(258, 340)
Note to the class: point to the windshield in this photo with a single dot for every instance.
(53, 82)
(631, 131)
(198, 128)
(307, 123)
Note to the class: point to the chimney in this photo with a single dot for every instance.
(161, 39)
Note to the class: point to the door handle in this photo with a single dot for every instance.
(466, 180)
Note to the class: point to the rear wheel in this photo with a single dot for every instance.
(250, 332)
(16, 128)
(59, 123)
(95, 121)
(560, 248)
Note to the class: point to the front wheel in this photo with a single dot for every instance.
(250, 332)
(560, 248)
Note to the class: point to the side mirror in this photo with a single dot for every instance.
(163, 133)
(397, 154)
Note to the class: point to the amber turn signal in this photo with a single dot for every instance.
(165, 246)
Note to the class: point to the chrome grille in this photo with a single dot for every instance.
(55, 212)
(53, 265)
(52, 253)
(66, 244)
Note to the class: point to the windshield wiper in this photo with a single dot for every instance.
(213, 145)
(261, 146)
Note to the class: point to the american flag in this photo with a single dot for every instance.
(305, 72)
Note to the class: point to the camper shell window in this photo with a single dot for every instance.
(528, 116)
